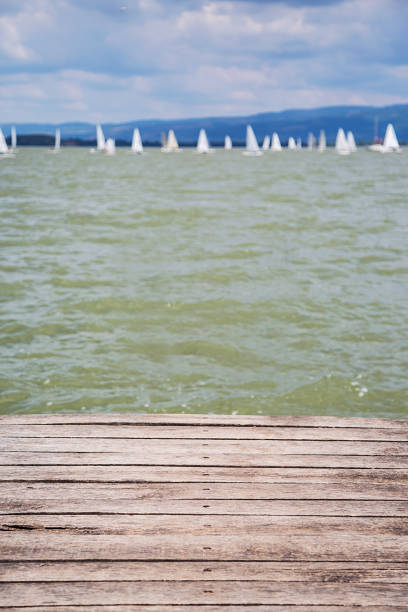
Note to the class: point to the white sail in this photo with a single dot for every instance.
(341, 145)
(172, 140)
(228, 143)
(311, 141)
(172, 144)
(57, 145)
(100, 138)
(299, 143)
(202, 143)
(3, 144)
(351, 142)
(266, 143)
(252, 147)
(276, 145)
(13, 138)
(110, 147)
(137, 146)
(291, 143)
(390, 140)
(322, 141)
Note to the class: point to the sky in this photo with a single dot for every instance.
(120, 60)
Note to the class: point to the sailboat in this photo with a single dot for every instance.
(391, 144)
(299, 143)
(322, 141)
(171, 144)
(13, 138)
(266, 143)
(202, 143)
(57, 144)
(377, 144)
(276, 145)
(228, 143)
(291, 143)
(137, 145)
(252, 147)
(341, 146)
(4, 150)
(100, 138)
(110, 148)
(351, 142)
(311, 141)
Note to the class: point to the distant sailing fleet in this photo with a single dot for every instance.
(344, 145)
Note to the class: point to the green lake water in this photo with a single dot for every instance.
(221, 283)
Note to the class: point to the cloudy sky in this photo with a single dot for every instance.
(117, 60)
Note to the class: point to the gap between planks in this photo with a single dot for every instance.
(198, 420)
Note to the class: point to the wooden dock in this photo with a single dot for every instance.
(169, 513)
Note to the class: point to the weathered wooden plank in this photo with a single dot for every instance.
(131, 473)
(229, 507)
(207, 491)
(200, 449)
(230, 459)
(207, 512)
(205, 608)
(42, 546)
(202, 419)
(218, 525)
(193, 593)
(272, 571)
(174, 432)
(118, 497)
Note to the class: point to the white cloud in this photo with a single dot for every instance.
(78, 59)
(10, 42)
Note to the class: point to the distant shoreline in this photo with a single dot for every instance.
(46, 140)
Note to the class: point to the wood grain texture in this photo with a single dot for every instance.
(149, 474)
(230, 459)
(214, 506)
(199, 449)
(194, 524)
(40, 546)
(96, 571)
(94, 497)
(169, 513)
(207, 608)
(195, 593)
(174, 432)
